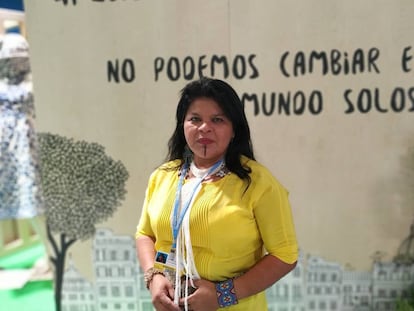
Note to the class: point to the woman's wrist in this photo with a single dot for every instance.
(226, 294)
(149, 275)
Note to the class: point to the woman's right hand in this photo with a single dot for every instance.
(162, 293)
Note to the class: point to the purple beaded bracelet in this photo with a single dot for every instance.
(226, 295)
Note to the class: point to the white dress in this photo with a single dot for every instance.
(19, 176)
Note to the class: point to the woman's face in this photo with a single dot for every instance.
(207, 131)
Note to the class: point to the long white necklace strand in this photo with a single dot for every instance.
(184, 246)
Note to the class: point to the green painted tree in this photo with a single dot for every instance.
(82, 186)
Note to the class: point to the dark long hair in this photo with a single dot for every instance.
(228, 100)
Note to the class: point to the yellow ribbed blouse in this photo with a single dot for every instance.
(230, 226)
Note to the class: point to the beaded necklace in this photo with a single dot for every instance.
(219, 172)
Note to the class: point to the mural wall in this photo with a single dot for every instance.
(327, 88)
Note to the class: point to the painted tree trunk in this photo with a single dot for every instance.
(58, 260)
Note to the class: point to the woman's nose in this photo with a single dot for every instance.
(205, 127)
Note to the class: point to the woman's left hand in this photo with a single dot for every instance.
(204, 298)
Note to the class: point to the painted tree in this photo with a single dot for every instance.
(405, 253)
(82, 186)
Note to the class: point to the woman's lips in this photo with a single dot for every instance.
(204, 141)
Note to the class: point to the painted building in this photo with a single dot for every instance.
(77, 293)
(116, 271)
(390, 281)
(356, 290)
(323, 284)
(315, 283)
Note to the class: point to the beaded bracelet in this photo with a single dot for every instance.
(226, 295)
(149, 275)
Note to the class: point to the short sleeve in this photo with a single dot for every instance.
(275, 222)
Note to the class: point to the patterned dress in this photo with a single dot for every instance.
(19, 178)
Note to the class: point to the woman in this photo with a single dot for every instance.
(221, 219)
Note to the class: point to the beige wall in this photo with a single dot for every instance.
(343, 170)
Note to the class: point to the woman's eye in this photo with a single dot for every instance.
(194, 119)
(217, 120)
